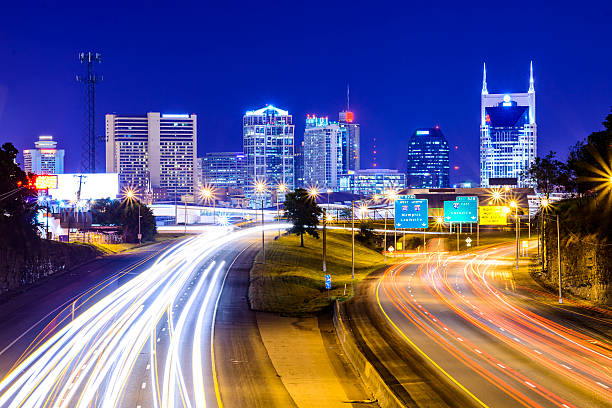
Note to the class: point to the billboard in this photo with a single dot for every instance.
(45, 181)
(465, 209)
(94, 186)
(410, 213)
(492, 215)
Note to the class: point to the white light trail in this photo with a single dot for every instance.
(90, 361)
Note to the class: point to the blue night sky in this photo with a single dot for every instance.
(408, 65)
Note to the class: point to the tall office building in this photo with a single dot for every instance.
(268, 143)
(350, 145)
(323, 153)
(508, 135)
(428, 159)
(299, 165)
(223, 169)
(45, 158)
(153, 151)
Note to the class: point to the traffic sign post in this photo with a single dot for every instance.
(328, 284)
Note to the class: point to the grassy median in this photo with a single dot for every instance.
(292, 281)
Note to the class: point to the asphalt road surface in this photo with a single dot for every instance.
(139, 337)
(496, 344)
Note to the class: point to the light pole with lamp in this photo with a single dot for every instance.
(130, 196)
(543, 206)
(514, 205)
(352, 239)
(260, 187)
(392, 195)
(281, 188)
(208, 194)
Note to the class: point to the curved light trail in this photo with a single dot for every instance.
(463, 314)
(90, 361)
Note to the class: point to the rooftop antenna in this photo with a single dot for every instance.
(88, 156)
(348, 98)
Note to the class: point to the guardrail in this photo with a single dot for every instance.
(370, 377)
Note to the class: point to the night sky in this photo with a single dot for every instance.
(409, 64)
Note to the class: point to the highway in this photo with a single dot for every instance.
(143, 340)
(495, 343)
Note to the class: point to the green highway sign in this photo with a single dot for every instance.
(463, 210)
(410, 213)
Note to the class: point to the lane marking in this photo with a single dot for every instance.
(457, 383)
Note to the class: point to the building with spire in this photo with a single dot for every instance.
(350, 144)
(324, 160)
(508, 135)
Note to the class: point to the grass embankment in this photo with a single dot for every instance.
(122, 247)
(292, 281)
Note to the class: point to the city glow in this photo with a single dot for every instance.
(439, 220)
(260, 186)
(513, 204)
(129, 194)
(544, 202)
(281, 188)
(207, 193)
(391, 194)
(313, 192)
(329, 218)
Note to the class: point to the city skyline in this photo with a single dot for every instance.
(387, 97)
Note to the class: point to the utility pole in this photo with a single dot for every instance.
(89, 79)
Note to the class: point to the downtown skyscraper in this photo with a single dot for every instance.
(324, 160)
(153, 152)
(428, 165)
(268, 144)
(508, 135)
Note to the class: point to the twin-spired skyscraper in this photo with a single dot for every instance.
(508, 135)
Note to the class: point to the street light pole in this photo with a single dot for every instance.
(352, 239)
(263, 245)
(559, 259)
(324, 239)
(139, 233)
(385, 244)
(516, 223)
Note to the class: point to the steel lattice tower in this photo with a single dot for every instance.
(89, 79)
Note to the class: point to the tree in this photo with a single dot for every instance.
(125, 214)
(303, 212)
(18, 206)
(548, 174)
(590, 161)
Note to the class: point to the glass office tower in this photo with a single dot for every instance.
(428, 159)
(268, 143)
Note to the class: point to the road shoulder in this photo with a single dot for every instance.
(247, 377)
